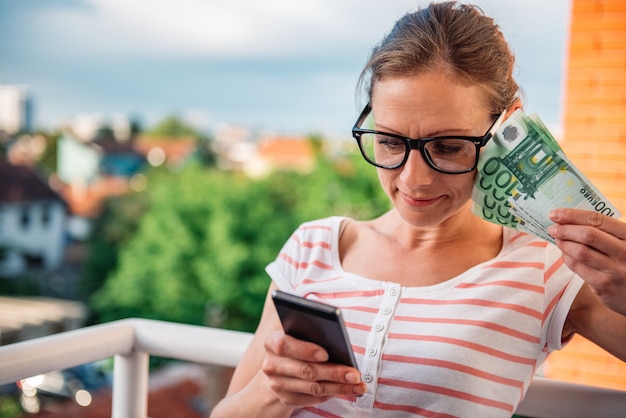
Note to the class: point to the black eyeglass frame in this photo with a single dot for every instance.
(419, 144)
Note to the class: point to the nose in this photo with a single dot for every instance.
(416, 172)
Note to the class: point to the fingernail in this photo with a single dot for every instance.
(352, 377)
(554, 214)
(320, 356)
(552, 230)
(358, 390)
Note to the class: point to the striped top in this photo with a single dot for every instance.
(466, 347)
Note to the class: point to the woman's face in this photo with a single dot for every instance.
(426, 105)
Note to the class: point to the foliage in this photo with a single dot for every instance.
(173, 127)
(207, 236)
(111, 231)
(48, 161)
(10, 407)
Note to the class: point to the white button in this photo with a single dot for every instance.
(387, 311)
(367, 377)
(379, 327)
(372, 351)
(394, 291)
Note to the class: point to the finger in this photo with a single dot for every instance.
(592, 240)
(291, 392)
(585, 260)
(274, 365)
(605, 223)
(286, 346)
(311, 391)
(592, 265)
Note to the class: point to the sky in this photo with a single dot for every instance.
(287, 66)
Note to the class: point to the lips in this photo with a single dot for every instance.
(420, 201)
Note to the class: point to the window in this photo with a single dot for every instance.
(25, 218)
(46, 215)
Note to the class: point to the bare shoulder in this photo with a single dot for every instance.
(351, 231)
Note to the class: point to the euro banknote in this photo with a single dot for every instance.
(523, 173)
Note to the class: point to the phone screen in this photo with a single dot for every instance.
(315, 322)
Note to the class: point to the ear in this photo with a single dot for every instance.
(516, 105)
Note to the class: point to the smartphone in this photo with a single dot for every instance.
(315, 322)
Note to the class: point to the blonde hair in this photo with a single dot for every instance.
(455, 37)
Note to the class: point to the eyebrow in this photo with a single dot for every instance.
(440, 132)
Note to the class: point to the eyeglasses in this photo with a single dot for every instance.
(454, 154)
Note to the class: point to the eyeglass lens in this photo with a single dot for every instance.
(450, 154)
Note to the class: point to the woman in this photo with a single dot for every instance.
(448, 315)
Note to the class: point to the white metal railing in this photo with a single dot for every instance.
(132, 341)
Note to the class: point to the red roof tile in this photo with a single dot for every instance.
(19, 183)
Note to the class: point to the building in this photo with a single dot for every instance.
(89, 172)
(174, 152)
(32, 221)
(595, 140)
(281, 152)
(16, 109)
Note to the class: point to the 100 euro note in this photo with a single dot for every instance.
(523, 173)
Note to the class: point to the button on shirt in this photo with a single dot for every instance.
(372, 361)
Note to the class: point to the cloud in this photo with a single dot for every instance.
(268, 28)
(220, 28)
(275, 61)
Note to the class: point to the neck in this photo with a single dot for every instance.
(458, 230)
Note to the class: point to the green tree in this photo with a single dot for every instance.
(207, 236)
(173, 127)
(111, 231)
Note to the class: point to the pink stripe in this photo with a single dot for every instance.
(310, 244)
(478, 302)
(323, 227)
(516, 264)
(320, 412)
(411, 409)
(304, 264)
(552, 269)
(448, 392)
(504, 283)
(345, 295)
(458, 367)
(361, 327)
(313, 281)
(482, 324)
(358, 349)
(551, 304)
(518, 236)
(361, 309)
(466, 344)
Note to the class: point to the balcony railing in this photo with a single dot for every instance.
(132, 341)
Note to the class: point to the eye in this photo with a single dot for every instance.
(389, 143)
(450, 146)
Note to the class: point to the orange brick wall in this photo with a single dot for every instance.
(595, 140)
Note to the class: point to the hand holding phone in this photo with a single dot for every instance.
(315, 322)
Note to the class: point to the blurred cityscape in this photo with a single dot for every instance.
(53, 183)
(52, 188)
